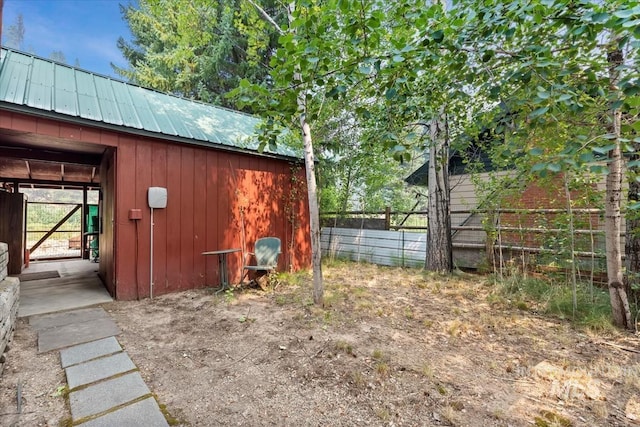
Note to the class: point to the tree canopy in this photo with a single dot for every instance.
(536, 62)
(15, 34)
(196, 48)
(557, 79)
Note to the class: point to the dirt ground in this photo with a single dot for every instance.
(391, 347)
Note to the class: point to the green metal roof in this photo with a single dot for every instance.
(42, 86)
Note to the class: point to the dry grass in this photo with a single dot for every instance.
(467, 309)
(391, 346)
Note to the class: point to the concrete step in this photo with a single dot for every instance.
(53, 320)
(105, 388)
(98, 369)
(89, 351)
(76, 333)
(144, 413)
(105, 395)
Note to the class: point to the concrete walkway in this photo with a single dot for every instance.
(105, 387)
(78, 285)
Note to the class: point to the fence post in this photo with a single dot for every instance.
(387, 218)
(402, 248)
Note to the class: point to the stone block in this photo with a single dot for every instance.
(54, 320)
(76, 333)
(88, 351)
(98, 369)
(107, 394)
(9, 300)
(143, 413)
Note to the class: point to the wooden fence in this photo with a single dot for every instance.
(535, 236)
(383, 247)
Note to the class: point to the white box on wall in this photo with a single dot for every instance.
(157, 197)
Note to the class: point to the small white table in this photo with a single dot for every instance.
(222, 264)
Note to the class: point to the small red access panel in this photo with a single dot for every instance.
(135, 214)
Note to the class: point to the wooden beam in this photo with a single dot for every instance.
(50, 155)
(55, 228)
(26, 162)
(511, 229)
(53, 183)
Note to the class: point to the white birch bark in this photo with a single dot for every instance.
(309, 161)
(613, 216)
(314, 212)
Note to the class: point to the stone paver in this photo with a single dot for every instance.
(144, 413)
(91, 350)
(107, 394)
(93, 358)
(52, 320)
(76, 333)
(98, 369)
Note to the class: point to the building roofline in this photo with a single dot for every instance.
(141, 118)
(103, 76)
(140, 132)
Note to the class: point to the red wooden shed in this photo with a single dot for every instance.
(62, 125)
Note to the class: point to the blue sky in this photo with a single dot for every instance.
(84, 29)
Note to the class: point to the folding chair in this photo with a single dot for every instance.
(266, 251)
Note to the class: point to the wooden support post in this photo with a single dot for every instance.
(83, 225)
(387, 218)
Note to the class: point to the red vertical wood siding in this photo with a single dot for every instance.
(159, 178)
(107, 255)
(211, 202)
(47, 128)
(187, 211)
(23, 123)
(199, 221)
(171, 280)
(124, 227)
(215, 200)
(5, 120)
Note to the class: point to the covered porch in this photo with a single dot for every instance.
(50, 286)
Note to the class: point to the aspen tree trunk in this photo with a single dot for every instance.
(613, 217)
(314, 212)
(439, 246)
(312, 190)
(346, 191)
(310, 169)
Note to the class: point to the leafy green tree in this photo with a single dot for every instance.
(196, 48)
(427, 74)
(15, 34)
(341, 50)
(292, 107)
(356, 172)
(435, 67)
(58, 56)
(541, 59)
(561, 57)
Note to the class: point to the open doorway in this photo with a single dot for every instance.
(61, 236)
(62, 223)
(54, 224)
